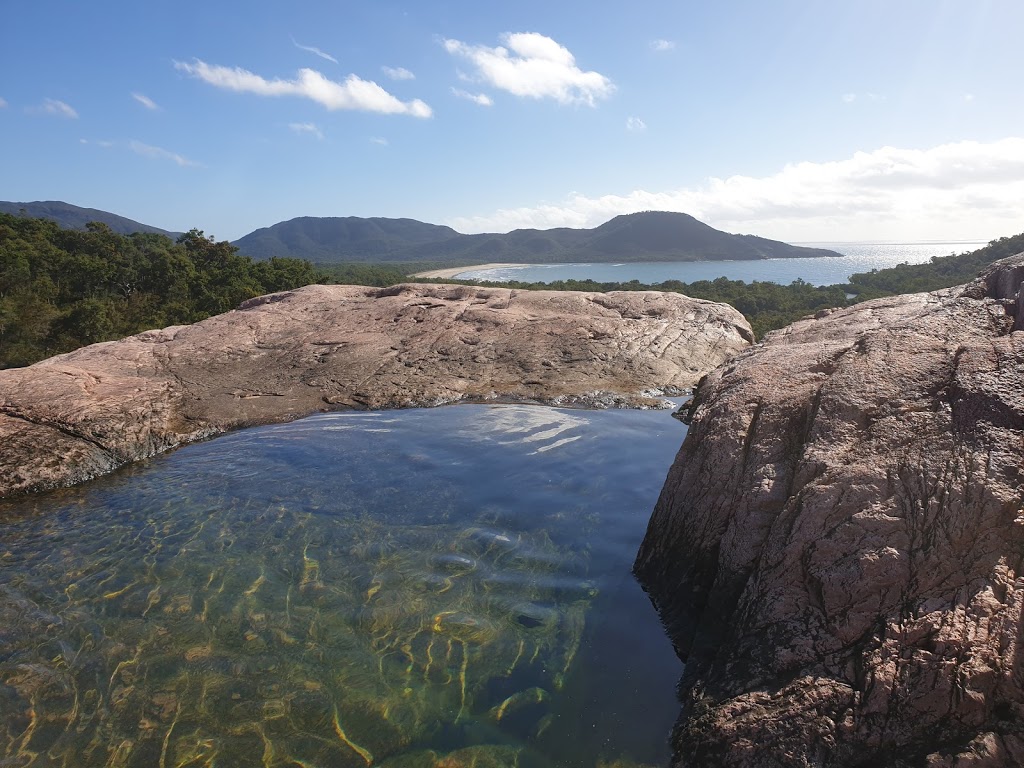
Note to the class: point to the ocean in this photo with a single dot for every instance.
(857, 257)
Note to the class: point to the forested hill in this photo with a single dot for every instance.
(73, 217)
(63, 288)
(649, 236)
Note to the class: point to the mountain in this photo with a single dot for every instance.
(330, 239)
(648, 236)
(73, 217)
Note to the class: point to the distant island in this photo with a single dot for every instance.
(647, 236)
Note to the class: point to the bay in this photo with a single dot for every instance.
(857, 257)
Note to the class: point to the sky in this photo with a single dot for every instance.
(801, 120)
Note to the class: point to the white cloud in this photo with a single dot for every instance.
(635, 125)
(147, 150)
(477, 98)
(306, 128)
(968, 97)
(962, 190)
(2, 103)
(316, 51)
(145, 101)
(662, 45)
(354, 93)
(533, 66)
(398, 73)
(55, 108)
(379, 140)
(849, 98)
(104, 144)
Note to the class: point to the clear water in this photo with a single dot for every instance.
(445, 587)
(857, 257)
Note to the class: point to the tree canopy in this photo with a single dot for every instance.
(62, 288)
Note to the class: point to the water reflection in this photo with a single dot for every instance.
(399, 589)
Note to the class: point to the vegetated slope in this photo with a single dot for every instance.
(73, 217)
(648, 236)
(63, 288)
(350, 238)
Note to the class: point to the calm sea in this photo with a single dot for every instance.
(857, 257)
(401, 589)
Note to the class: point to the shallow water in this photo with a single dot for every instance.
(414, 588)
(857, 257)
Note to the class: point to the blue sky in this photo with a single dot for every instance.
(799, 120)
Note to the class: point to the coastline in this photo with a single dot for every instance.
(442, 273)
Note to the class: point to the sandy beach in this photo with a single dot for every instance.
(459, 270)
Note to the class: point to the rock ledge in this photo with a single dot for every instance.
(286, 355)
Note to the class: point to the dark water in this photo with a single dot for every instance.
(857, 257)
(445, 587)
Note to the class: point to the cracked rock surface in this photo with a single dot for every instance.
(837, 552)
(286, 355)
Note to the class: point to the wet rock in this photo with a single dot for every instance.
(283, 356)
(838, 551)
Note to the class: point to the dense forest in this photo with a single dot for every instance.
(63, 288)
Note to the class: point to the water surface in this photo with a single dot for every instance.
(857, 257)
(416, 588)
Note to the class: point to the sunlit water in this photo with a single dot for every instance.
(445, 587)
(857, 257)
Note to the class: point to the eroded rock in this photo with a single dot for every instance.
(289, 354)
(838, 551)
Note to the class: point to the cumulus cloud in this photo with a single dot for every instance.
(477, 98)
(662, 45)
(354, 93)
(398, 73)
(533, 66)
(147, 150)
(145, 101)
(314, 51)
(635, 125)
(961, 190)
(310, 129)
(54, 108)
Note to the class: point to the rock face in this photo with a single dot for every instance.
(286, 355)
(838, 551)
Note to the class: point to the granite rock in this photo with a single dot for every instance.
(838, 551)
(279, 357)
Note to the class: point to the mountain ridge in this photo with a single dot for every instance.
(76, 217)
(646, 236)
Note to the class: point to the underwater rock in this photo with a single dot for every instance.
(838, 550)
(286, 355)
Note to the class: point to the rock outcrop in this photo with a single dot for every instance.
(289, 354)
(838, 551)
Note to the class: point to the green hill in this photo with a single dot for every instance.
(649, 236)
(73, 217)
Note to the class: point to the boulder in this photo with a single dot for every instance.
(838, 551)
(279, 357)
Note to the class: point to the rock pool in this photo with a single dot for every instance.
(444, 587)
